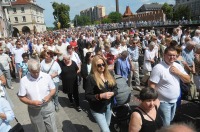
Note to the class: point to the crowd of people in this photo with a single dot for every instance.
(93, 56)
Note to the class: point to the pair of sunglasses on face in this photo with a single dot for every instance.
(100, 65)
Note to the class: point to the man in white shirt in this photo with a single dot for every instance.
(17, 56)
(165, 78)
(61, 49)
(36, 90)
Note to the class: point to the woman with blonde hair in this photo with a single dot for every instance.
(100, 88)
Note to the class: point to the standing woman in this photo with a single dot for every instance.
(86, 67)
(51, 67)
(69, 80)
(23, 67)
(100, 88)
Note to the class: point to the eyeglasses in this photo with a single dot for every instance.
(100, 65)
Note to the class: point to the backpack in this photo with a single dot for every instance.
(124, 91)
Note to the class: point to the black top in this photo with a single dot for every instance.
(150, 126)
(90, 92)
(69, 77)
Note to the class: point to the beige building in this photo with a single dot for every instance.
(26, 17)
(94, 13)
(5, 26)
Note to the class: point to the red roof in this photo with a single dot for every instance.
(128, 12)
(21, 2)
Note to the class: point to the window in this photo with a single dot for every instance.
(14, 10)
(23, 19)
(22, 9)
(16, 20)
(38, 19)
(36, 11)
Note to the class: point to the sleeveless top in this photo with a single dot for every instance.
(150, 126)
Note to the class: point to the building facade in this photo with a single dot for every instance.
(94, 13)
(5, 25)
(193, 5)
(26, 17)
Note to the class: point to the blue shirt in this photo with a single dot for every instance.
(133, 53)
(188, 56)
(123, 67)
(6, 109)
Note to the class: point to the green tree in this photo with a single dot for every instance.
(61, 14)
(182, 12)
(168, 10)
(115, 17)
(106, 20)
(81, 20)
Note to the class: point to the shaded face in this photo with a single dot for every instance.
(134, 44)
(70, 51)
(18, 45)
(66, 60)
(35, 73)
(47, 56)
(170, 57)
(25, 59)
(148, 104)
(100, 66)
(1, 51)
(91, 57)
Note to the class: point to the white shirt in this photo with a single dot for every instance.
(53, 67)
(167, 84)
(17, 52)
(36, 89)
(4, 62)
(62, 49)
(149, 55)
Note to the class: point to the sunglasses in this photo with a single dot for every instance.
(92, 56)
(100, 65)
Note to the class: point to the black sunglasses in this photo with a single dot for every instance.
(100, 65)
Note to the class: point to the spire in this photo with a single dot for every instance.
(128, 12)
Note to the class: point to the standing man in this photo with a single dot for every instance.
(36, 90)
(133, 51)
(17, 56)
(165, 78)
(6, 66)
(81, 45)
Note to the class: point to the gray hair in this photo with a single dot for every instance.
(190, 43)
(197, 47)
(33, 64)
(67, 56)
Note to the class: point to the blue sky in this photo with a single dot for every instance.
(77, 5)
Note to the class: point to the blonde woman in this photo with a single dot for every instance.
(100, 88)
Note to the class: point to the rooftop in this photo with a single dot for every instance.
(128, 12)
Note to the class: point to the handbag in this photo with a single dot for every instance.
(17, 128)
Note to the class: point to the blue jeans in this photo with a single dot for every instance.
(167, 112)
(103, 119)
(55, 97)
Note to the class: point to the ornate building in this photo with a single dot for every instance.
(26, 17)
(156, 15)
(5, 26)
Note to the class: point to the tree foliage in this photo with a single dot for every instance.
(81, 20)
(115, 17)
(182, 12)
(106, 20)
(168, 10)
(61, 14)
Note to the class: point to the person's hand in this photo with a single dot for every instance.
(106, 95)
(37, 102)
(47, 99)
(54, 74)
(174, 70)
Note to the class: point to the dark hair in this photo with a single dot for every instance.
(87, 45)
(49, 52)
(173, 43)
(170, 48)
(148, 93)
(69, 47)
(87, 57)
(25, 55)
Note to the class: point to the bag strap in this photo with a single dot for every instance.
(16, 120)
(50, 67)
(146, 113)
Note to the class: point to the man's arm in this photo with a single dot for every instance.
(27, 101)
(3, 79)
(50, 95)
(184, 77)
(151, 84)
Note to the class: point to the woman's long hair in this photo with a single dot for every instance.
(96, 75)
